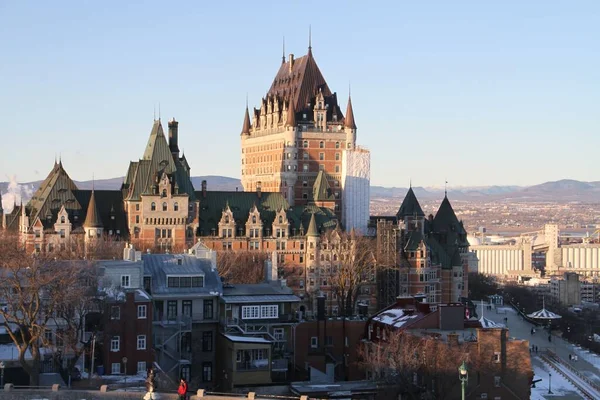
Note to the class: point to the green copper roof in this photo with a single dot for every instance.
(321, 188)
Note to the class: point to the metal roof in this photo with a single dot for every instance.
(280, 298)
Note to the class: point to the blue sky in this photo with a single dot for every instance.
(475, 92)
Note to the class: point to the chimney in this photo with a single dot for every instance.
(258, 189)
(291, 60)
(173, 137)
(453, 339)
(204, 188)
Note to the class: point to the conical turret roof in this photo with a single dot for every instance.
(349, 121)
(246, 126)
(312, 227)
(291, 115)
(446, 220)
(410, 206)
(92, 218)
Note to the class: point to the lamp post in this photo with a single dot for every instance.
(125, 363)
(2, 366)
(463, 375)
(549, 383)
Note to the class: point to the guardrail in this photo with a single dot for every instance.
(573, 370)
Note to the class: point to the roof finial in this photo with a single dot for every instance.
(154, 112)
(446, 188)
(93, 181)
(349, 90)
(410, 183)
(283, 53)
(60, 159)
(159, 110)
(309, 39)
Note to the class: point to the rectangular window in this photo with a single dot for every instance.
(208, 309)
(115, 312)
(321, 156)
(125, 281)
(278, 333)
(197, 281)
(115, 368)
(337, 156)
(305, 168)
(172, 309)
(141, 312)
(270, 311)
(497, 381)
(141, 367)
(496, 357)
(337, 168)
(186, 308)
(141, 342)
(207, 372)
(250, 312)
(137, 219)
(314, 342)
(137, 207)
(62, 233)
(115, 343)
(207, 341)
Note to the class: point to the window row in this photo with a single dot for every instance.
(185, 281)
(260, 312)
(115, 343)
(165, 206)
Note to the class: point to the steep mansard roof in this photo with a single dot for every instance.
(445, 219)
(157, 159)
(410, 206)
(268, 204)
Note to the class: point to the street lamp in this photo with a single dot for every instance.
(2, 366)
(549, 383)
(463, 375)
(125, 362)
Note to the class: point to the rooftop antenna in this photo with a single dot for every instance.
(409, 183)
(159, 110)
(446, 188)
(93, 181)
(283, 54)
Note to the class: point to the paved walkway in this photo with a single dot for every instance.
(521, 329)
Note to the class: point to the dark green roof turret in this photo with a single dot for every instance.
(410, 206)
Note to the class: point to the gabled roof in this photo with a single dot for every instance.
(349, 121)
(321, 188)
(414, 239)
(410, 206)
(92, 218)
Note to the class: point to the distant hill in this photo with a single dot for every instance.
(566, 190)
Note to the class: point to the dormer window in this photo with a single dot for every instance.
(280, 219)
(227, 219)
(164, 193)
(62, 219)
(176, 206)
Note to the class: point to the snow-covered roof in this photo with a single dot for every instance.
(544, 314)
(247, 339)
(489, 324)
(395, 317)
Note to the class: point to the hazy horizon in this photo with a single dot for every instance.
(475, 93)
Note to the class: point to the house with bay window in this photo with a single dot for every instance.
(256, 339)
(185, 290)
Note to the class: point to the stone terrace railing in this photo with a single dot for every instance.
(54, 392)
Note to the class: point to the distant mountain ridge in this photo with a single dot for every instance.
(565, 190)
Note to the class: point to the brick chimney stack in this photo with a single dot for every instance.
(204, 188)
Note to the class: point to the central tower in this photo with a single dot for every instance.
(297, 138)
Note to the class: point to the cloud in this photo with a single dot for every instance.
(15, 194)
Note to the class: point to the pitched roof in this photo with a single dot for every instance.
(157, 159)
(300, 82)
(246, 126)
(312, 227)
(92, 218)
(414, 238)
(349, 121)
(445, 219)
(291, 115)
(321, 188)
(410, 206)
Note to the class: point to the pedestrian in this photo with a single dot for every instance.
(182, 390)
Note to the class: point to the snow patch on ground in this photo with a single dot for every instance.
(560, 386)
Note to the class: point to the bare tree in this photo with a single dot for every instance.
(34, 291)
(242, 266)
(352, 261)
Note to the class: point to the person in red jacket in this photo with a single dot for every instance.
(182, 390)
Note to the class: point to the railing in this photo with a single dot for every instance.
(584, 378)
(279, 364)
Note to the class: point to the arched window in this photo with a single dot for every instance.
(153, 206)
(227, 219)
(280, 219)
(321, 145)
(176, 206)
(254, 219)
(305, 144)
(337, 145)
(62, 219)
(165, 206)
(164, 194)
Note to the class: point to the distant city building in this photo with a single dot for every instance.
(566, 289)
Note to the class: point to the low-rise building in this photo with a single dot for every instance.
(256, 341)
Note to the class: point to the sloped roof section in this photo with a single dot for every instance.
(92, 218)
(321, 188)
(410, 206)
(445, 219)
(246, 126)
(299, 83)
(312, 227)
(56, 190)
(109, 208)
(157, 159)
(349, 121)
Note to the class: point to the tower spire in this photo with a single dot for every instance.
(446, 188)
(283, 53)
(349, 120)
(246, 126)
(309, 40)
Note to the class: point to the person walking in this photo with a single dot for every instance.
(182, 390)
